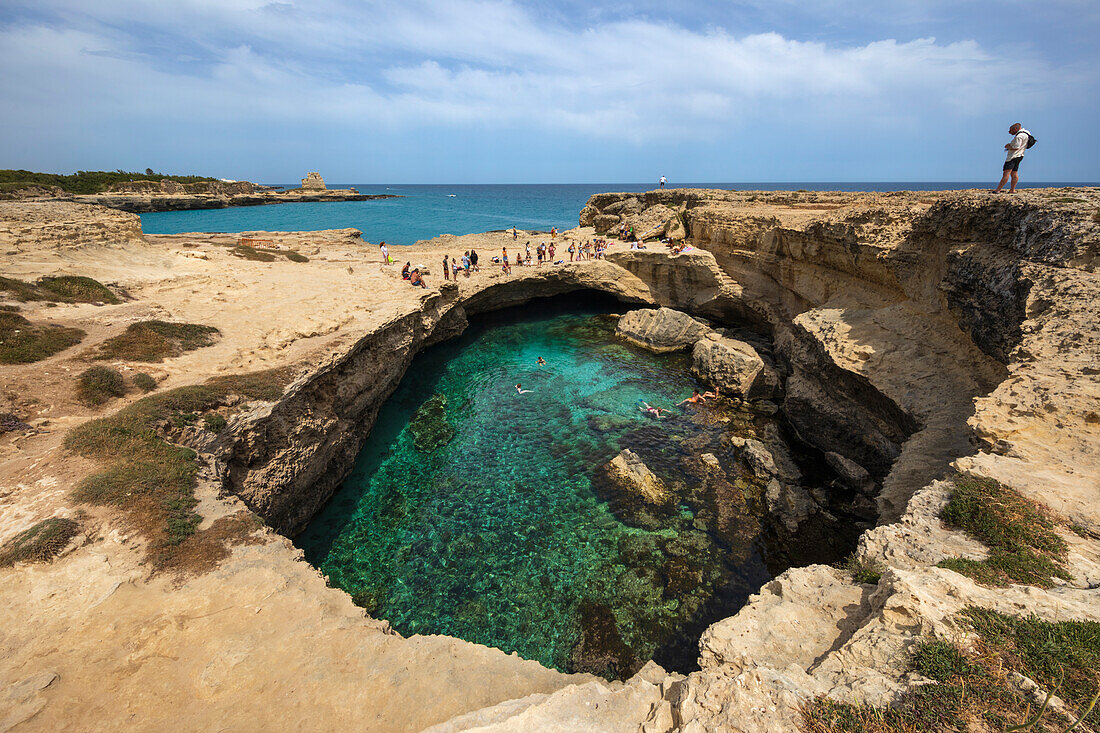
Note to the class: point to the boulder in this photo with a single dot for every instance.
(633, 492)
(734, 366)
(588, 215)
(652, 223)
(605, 223)
(661, 330)
(851, 473)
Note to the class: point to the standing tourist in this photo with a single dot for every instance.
(515, 234)
(1021, 141)
(385, 253)
(466, 264)
(446, 269)
(550, 252)
(663, 181)
(473, 261)
(572, 249)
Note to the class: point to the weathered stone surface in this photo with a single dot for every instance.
(734, 367)
(661, 329)
(853, 474)
(313, 182)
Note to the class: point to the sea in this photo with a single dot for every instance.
(427, 211)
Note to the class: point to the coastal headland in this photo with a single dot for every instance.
(925, 345)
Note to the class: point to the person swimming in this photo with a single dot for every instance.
(695, 398)
(649, 409)
(521, 390)
(541, 361)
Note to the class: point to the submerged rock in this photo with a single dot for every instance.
(600, 649)
(661, 329)
(429, 425)
(734, 367)
(633, 492)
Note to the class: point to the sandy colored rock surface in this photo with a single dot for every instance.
(904, 344)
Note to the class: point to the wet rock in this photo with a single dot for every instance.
(853, 474)
(633, 492)
(791, 504)
(661, 330)
(429, 425)
(600, 648)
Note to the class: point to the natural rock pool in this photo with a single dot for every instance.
(481, 513)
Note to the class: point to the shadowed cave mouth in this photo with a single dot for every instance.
(481, 513)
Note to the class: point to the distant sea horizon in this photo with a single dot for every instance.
(429, 210)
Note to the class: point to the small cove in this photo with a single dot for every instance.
(480, 513)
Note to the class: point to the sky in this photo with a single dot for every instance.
(557, 91)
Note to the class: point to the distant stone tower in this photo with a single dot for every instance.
(314, 182)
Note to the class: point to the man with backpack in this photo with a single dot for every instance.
(1021, 141)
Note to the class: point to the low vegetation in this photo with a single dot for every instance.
(252, 253)
(61, 289)
(84, 181)
(40, 543)
(863, 569)
(154, 341)
(10, 423)
(296, 256)
(1024, 546)
(23, 342)
(99, 385)
(975, 690)
(144, 382)
(152, 480)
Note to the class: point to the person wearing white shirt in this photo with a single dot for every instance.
(1014, 154)
(663, 181)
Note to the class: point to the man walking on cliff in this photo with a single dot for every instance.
(1021, 141)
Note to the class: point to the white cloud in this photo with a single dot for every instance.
(477, 63)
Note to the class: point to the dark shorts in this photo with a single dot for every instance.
(1013, 165)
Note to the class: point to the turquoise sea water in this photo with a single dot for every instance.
(430, 210)
(478, 512)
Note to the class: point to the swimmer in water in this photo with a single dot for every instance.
(650, 410)
(541, 361)
(695, 398)
(521, 390)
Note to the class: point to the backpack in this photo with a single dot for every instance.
(1031, 140)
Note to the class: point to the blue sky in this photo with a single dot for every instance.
(482, 91)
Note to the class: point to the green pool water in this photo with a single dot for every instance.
(478, 512)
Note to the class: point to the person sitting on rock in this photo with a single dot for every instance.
(712, 395)
(415, 280)
(405, 271)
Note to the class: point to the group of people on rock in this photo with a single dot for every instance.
(452, 266)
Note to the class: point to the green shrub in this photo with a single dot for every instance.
(84, 181)
(99, 385)
(296, 257)
(154, 341)
(864, 570)
(1023, 544)
(22, 342)
(40, 543)
(214, 422)
(144, 382)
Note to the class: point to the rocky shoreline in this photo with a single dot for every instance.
(912, 334)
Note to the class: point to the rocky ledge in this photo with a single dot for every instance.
(908, 336)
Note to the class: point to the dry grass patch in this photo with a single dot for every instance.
(99, 385)
(40, 543)
(144, 382)
(23, 342)
(143, 474)
(154, 341)
(975, 690)
(63, 289)
(251, 253)
(1024, 546)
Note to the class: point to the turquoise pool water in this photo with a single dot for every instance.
(478, 512)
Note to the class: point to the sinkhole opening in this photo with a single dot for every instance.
(499, 517)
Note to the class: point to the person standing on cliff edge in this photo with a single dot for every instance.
(663, 181)
(1021, 141)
